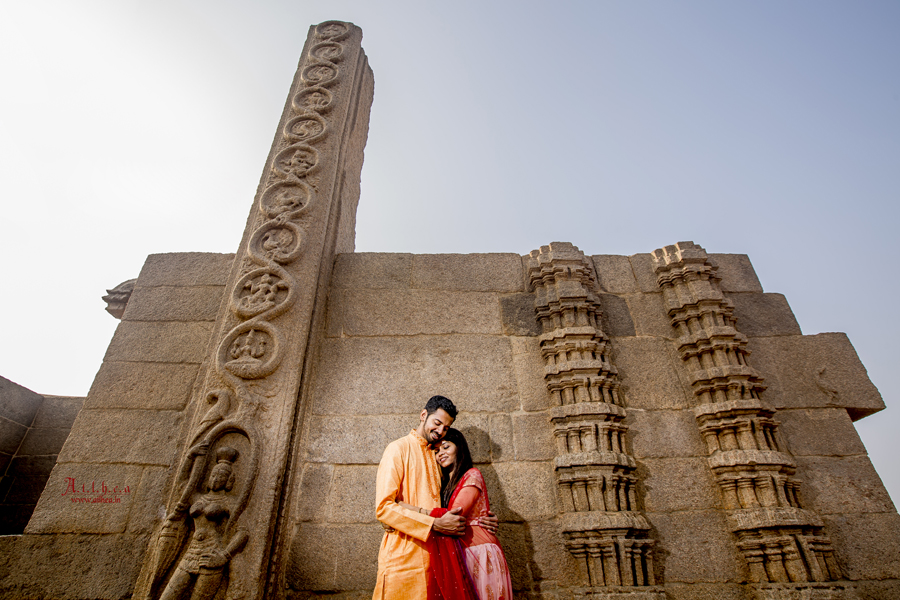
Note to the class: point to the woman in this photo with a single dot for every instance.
(462, 486)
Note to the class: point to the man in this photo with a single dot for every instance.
(407, 487)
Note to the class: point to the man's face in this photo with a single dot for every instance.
(435, 425)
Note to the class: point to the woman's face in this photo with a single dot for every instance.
(446, 455)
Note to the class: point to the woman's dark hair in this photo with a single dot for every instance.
(450, 476)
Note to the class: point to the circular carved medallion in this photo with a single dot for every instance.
(250, 350)
(264, 290)
(316, 99)
(297, 160)
(320, 74)
(305, 128)
(280, 242)
(332, 30)
(328, 51)
(286, 197)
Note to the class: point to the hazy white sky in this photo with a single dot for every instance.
(766, 128)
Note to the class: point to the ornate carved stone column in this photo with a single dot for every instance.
(216, 538)
(783, 543)
(601, 522)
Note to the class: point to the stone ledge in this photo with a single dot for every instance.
(174, 303)
(185, 269)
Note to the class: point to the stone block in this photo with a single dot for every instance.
(43, 440)
(528, 366)
(185, 269)
(123, 436)
(70, 566)
(174, 342)
(352, 495)
(764, 314)
(58, 411)
(18, 404)
(137, 385)
(736, 272)
(867, 546)
(13, 519)
(476, 428)
(333, 558)
(533, 435)
(706, 591)
(614, 274)
(11, 435)
(521, 491)
(372, 270)
(174, 303)
(643, 268)
(649, 316)
(412, 312)
(534, 553)
(359, 376)
(847, 484)
(4, 462)
(677, 484)
(878, 590)
(60, 510)
(31, 466)
(649, 373)
(25, 490)
(149, 500)
(663, 434)
(812, 371)
(354, 440)
(819, 432)
(616, 318)
(502, 445)
(315, 483)
(686, 541)
(470, 272)
(518, 315)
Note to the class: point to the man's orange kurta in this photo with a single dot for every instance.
(409, 473)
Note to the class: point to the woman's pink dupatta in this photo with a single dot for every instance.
(448, 561)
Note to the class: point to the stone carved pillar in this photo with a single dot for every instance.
(602, 526)
(782, 542)
(221, 518)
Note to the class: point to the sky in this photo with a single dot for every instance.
(767, 128)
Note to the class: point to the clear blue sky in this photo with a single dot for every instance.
(766, 128)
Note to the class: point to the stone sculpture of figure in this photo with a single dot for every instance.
(202, 567)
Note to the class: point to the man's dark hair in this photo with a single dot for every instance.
(436, 402)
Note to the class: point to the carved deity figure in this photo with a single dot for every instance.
(202, 566)
(262, 293)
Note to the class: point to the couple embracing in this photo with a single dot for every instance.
(439, 541)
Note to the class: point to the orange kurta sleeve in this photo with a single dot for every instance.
(389, 486)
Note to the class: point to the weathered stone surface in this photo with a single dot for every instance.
(161, 386)
(736, 272)
(529, 373)
(352, 495)
(685, 543)
(520, 491)
(814, 371)
(764, 314)
(123, 436)
(412, 312)
(471, 272)
(174, 342)
(333, 557)
(878, 590)
(70, 567)
(398, 375)
(185, 269)
(819, 432)
(476, 428)
(533, 434)
(535, 552)
(644, 273)
(13, 519)
(616, 318)
(18, 404)
(706, 591)
(26, 479)
(614, 274)
(61, 511)
(372, 270)
(149, 499)
(677, 484)
(647, 371)
(517, 313)
(846, 484)
(649, 315)
(867, 545)
(315, 483)
(664, 433)
(29, 466)
(173, 303)
(11, 435)
(58, 411)
(44, 440)
(354, 440)
(501, 442)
